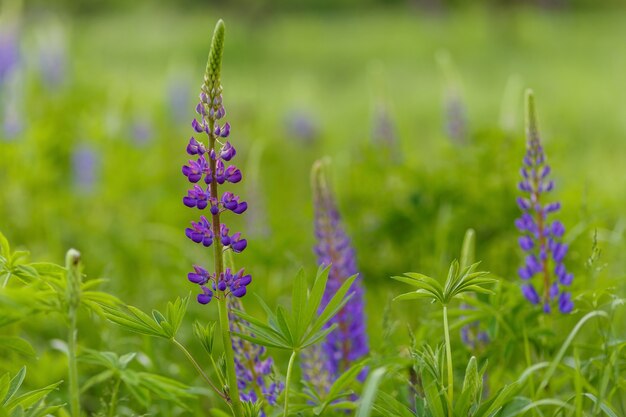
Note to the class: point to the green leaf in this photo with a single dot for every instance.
(369, 392)
(17, 344)
(316, 295)
(5, 248)
(16, 383)
(134, 320)
(298, 304)
(30, 398)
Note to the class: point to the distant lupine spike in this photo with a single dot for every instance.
(207, 164)
(541, 239)
(348, 342)
(52, 56)
(383, 128)
(255, 376)
(301, 125)
(9, 50)
(454, 108)
(84, 167)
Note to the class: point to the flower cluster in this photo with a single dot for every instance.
(255, 376)
(209, 165)
(348, 342)
(541, 239)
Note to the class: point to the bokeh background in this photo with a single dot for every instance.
(418, 103)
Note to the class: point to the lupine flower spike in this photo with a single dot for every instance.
(208, 169)
(348, 343)
(454, 107)
(209, 163)
(542, 239)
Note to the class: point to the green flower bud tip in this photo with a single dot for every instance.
(531, 118)
(214, 63)
(74, 273)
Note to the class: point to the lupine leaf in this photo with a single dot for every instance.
(17, 344)
(369, 392)
(31, 397)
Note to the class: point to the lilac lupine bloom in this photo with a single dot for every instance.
(52, 56)
(541, 239)
(348, 342)
(206, 170)
(84, 167)
(472, 335)
(301, 125)
(255, 376)
(383, 128)
(9, 51)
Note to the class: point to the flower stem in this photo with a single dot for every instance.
(72, 367)
(231, 374)
(113, 405)
(199, 369)
(288, 382)
(446, 330)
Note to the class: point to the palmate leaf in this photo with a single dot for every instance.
(459, 281)
(304, 324)
(157, 325)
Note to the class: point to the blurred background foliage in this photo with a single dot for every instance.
(419, 104)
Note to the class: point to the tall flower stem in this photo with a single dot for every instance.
(231, 374)
(72, 293)
(73, 368)
(113, 405)
(446, 330)
(288, 382)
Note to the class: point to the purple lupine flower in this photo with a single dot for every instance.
(348, 342)
(541, 238)
(52, 56)
(471, 334)
(456, 116)
(384, 133)
(84, 167)
(207, 163)
(255, 374)
(453, 106)
(178, 92)
(301, 125)
(9, 51)
(141, 131)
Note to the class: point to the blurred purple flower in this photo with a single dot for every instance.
(348, 342)
(84, 167)
(255, 376)
(301, 125)
(9, 51)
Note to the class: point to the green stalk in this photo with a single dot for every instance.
(74, 391)
(198, 368)
(288, 382)
(72, 297)
(446, 330)
(231, 374)
(113, 405)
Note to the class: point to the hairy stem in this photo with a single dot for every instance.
(113, 405)
(446, 330)
(288, 382)
(74, 391)
(231, 374)
(199, 369)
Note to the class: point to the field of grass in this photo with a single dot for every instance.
(95, 165)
